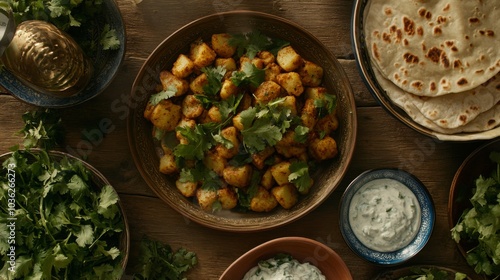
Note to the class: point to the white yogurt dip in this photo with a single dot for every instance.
(283, 267)
(384, 215)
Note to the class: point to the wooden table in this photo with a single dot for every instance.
(382, 142)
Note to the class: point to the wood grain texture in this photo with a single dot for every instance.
(382, 142)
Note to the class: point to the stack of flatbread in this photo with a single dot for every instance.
(438, 60)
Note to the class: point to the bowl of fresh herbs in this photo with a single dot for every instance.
(223, 126)
(60, 219)
(98, 28)
(474, 209)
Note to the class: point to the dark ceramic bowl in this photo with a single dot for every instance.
(302, 249)
(105, 67)
(406, 271)
(144, 149)
(461, 190)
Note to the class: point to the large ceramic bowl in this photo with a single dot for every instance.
(144, 149)
(461, 190)
(302, 249)
(366, 71)
(105, 67)
(56, 158)
(422, 234)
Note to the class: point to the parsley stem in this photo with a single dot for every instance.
(43, 220)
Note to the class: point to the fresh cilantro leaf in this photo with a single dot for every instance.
(164, 94)
(299, 176)
(42, 129)
(159, 261)
(214, 77)
(325, 105)
(109, 39)
(199, 141)
(301, 134)
(264, 125)
(249, 74)
(251, 43)
(85, 235)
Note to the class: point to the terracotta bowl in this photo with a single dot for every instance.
(300, 248)
(99, 181)
(145, 150)
(476, 164)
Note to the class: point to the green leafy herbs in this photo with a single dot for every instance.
(66, 226)
(299, 176)
(159, 261)
(42, 128)
(264, 125)
(78, 18)
(325, 105)
(162, 95)
(214, 78)
(481, 223)
(249, 75)
(251, 43)
(431, 273)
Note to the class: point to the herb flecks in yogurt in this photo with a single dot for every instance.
(283, 266)
(384, 215)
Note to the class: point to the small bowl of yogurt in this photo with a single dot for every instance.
(386, 216)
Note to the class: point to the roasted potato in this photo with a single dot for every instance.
(263, 201)
(206, 198)
(237, 176)
(291, 83)
(286, 195)
(169, 81)
(227, 197)
(183, 66)
(220, 44)
(187, 189)
(322, 149)
(310, 73)
(201, 54)
(166, 115)
(280, 172)
(288, 59)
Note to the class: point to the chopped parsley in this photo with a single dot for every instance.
(66, 224)
(158, 261)
(42, 128)
(480, 223)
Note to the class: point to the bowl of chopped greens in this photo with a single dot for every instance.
(422, 272)
(243, 121)
(97, 27)
(474, 209)
(60, 218)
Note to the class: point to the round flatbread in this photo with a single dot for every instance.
(431, 48)
(484, 121)
(458, 109)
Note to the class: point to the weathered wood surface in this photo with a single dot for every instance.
(382, 142)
